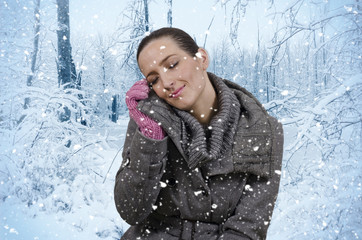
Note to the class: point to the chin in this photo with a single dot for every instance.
(180, 106)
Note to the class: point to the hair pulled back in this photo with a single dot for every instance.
(182, 39)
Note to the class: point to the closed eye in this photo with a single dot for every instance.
(173, 65)
(153, 80)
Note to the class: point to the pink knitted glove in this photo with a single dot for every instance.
(147, 126)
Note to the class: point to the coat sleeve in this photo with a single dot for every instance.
(137, 182)
(254, 210)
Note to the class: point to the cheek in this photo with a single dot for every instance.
(159, 90)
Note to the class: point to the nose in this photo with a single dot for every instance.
(168, 82)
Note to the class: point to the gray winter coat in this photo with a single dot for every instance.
(232, 197)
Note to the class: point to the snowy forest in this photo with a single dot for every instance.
(63, 118)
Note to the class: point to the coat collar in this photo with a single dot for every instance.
(253, 122)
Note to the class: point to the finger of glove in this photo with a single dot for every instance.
(134, 94)
(138, 89)
(141, 85)
(141, 82)
(138, 92)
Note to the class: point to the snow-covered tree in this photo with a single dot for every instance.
(322, 116)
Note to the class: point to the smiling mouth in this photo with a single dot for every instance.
(176, 93)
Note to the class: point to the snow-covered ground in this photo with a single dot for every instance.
(92, 214)
(315, 207)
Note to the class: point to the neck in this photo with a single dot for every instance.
(207, 105)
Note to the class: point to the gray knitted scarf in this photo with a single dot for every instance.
(202, 147)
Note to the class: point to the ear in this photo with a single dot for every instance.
(204, 58)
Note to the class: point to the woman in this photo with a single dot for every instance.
(201, 158)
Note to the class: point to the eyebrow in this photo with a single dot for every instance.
(160, 64)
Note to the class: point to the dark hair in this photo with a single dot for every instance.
(182, 39)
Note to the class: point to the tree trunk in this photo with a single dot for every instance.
(63, 32)
(66, 68)
(256, 67)
(114, 108)
(147, 23)
(324, 58)
(169, 13)
(316, 84)
(29, 81)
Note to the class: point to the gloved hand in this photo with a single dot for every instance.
(147, 126)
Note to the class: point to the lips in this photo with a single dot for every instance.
(177, 93)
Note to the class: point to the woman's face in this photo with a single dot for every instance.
(174, 75)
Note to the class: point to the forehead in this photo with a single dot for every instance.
(158, 49)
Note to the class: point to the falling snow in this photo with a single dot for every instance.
(57, 177)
